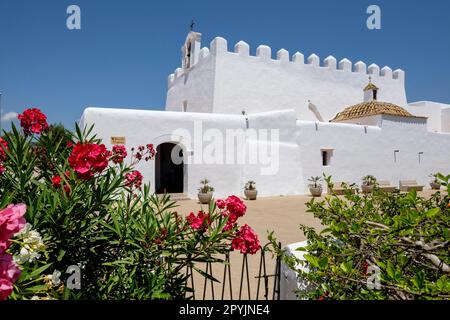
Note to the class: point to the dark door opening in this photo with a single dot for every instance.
(168, 175)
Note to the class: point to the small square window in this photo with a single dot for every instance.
(326, 157)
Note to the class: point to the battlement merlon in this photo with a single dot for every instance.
(238, 73)
(219, 46)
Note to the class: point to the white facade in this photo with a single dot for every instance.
(438, 114)
(214, 86)
(231, 82)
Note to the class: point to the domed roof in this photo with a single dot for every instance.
(372, 108)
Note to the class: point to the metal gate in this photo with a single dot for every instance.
(263, 285)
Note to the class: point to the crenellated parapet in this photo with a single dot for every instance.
(331, 63)
(229, 79)
(219, 46)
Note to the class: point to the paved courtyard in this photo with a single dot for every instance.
(283, 215)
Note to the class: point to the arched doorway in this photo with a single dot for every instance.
(168, 175)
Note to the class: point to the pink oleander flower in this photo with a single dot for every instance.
(6, 288)
(88, 159)
(246, 240)
(9, 273)
(133, 179)
(2, 169)
(11, 222)
(33, 121)
(199, 221)
(119, 153)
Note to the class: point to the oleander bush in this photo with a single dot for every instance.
(377, 246)
(77, 221)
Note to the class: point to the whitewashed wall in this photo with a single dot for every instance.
(435, 112)
(140, 127)
(196, 87)
(240, 81)
(361, 150)
(358, 150)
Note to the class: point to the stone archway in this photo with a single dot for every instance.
(169, 176)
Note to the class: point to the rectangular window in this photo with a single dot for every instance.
(326, 157)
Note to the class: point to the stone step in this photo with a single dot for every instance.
(178, 196)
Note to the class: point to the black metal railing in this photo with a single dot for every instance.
(246, 283)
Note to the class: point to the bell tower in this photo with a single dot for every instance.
(190, 50)
(370, 91)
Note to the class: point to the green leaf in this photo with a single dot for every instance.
(419, 279)
(312, 260)
(61, 254)
(390, 270)
(323, 262)
(432, 212)
(206, 275)
(346, 266)
(38, 271)
(443, 284)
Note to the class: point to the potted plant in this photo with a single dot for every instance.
(205, 192)
(315, 187)
(368, 183)
(250, 190)
(435, 185)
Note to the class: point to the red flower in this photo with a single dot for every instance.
(69, 144)
(56, 182)
(118, 153)
(67, 189)
(365, 266)
(88, 159)
(151, 150)
(134, 179)
(199, 221)
(246, 240)
(3, 148)
(236, 206)
(220, 204)
(33, 121)
(324, 296)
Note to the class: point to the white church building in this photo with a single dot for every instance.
(279, 119)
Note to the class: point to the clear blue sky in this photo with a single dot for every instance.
(126, 49)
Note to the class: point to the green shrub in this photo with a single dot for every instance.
(127, 242)
(378, 246)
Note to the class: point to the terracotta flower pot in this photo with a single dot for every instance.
(435, 185)
(205, 198)
(367, 188)
(315, 192)
(251, 194)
